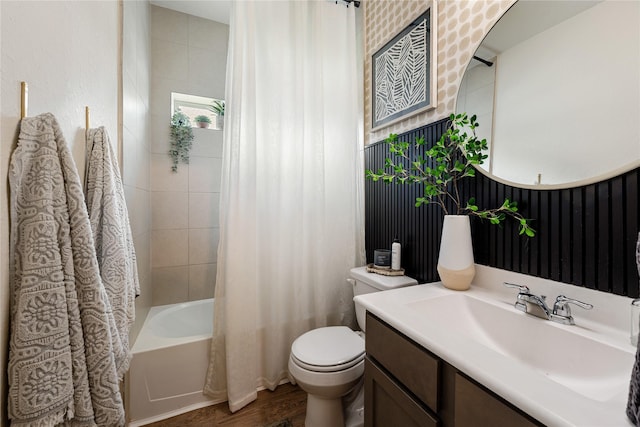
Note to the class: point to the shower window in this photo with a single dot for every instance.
(194, 106)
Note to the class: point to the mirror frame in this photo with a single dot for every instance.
(566, 185)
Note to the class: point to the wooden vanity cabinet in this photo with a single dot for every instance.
(406, 385)
(388, 404)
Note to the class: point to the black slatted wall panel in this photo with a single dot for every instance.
(585, 235)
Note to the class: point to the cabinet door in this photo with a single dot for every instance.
(387, 405)
(477, 407)
(412, 366)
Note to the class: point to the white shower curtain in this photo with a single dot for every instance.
(291, 198)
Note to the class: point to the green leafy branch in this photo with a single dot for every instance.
(452, 158)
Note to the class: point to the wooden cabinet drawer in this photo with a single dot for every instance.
(413, 366)
(477, 407)
(387, 405)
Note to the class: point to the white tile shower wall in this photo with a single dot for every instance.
(189, 55)
(136, 63)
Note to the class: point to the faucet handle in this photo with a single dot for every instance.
(561, 306)
(521, 289)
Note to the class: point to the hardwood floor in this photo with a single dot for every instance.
(287, 402)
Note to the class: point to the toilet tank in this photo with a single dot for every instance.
(364, 283)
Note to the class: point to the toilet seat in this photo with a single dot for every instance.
(328, 349)
(330, 368)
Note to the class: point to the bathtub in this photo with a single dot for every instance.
(169, 365)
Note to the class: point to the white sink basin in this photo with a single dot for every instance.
(562, 375)
(589, 367)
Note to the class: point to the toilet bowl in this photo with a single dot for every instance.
(328, 363)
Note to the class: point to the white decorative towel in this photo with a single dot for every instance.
(112, 236)
(61, 361)
(633, 400)
(638, 255)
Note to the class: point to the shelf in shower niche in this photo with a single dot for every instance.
(384, 271)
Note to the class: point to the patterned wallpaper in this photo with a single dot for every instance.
(462, 24)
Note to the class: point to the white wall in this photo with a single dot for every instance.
(136, 129)
(68, 53)
(592, 63)
(189, 55)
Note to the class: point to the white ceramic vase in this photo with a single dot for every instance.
(455, 262)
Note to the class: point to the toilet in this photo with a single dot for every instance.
(328, 363)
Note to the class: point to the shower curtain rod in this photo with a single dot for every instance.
(484, 61)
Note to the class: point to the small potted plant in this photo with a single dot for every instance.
(217, 106)
(202, 121)
(439, 170)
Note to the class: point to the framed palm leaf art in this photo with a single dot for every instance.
(404, 72)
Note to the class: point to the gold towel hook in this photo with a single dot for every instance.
(88, 146)
(24, 99)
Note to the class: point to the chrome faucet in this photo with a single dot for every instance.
(562, 311)
(537, 305)
(530, 303)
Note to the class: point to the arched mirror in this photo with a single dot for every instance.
(556, 89)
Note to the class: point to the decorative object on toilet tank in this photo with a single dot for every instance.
(181, 139)
(382, 258)
(439, 169)
(396, 253)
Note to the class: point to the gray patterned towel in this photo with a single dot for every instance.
(61, 362)
(633, 402)
(112, 236)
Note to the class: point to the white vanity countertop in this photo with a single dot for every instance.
(601, 402)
